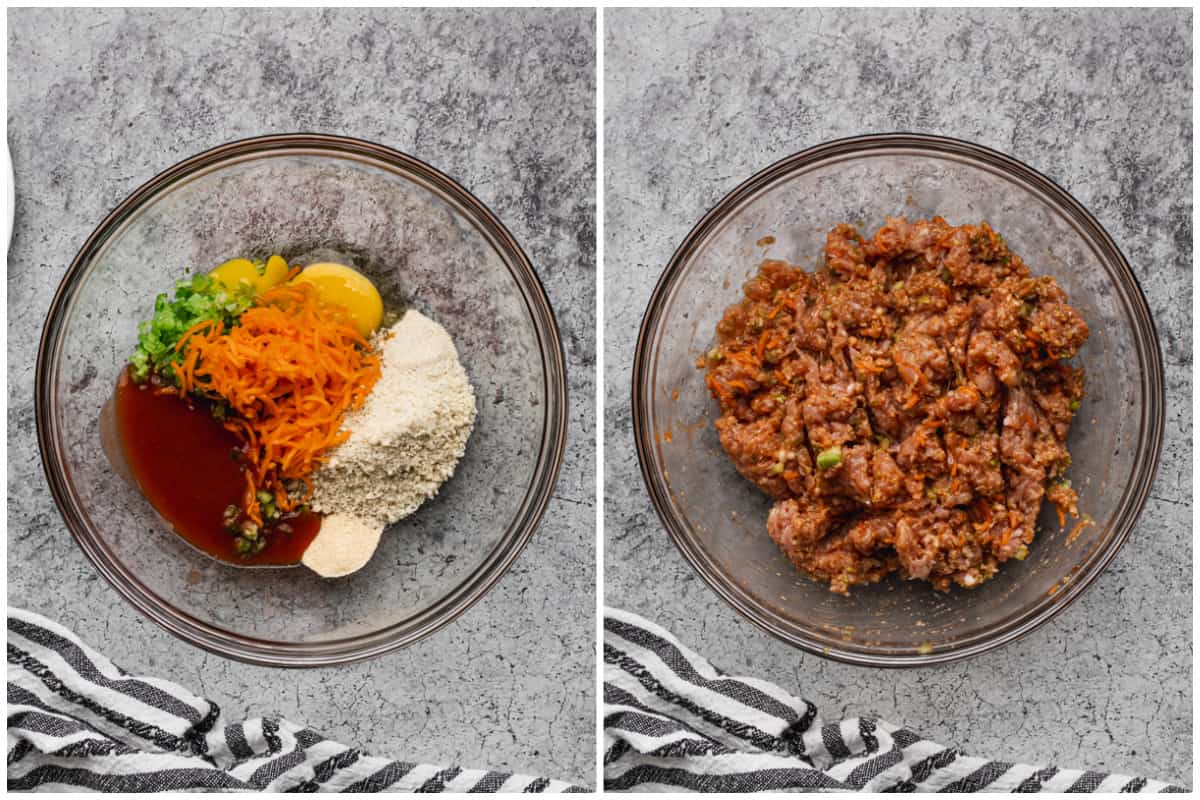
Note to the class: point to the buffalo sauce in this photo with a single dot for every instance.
(186, 464)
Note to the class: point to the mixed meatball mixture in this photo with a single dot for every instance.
(907, 405)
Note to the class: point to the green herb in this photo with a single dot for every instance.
(1022, 553)
(1074, 405)
(248, 547)
(266, 501)
(828, 459)
(946, 276)
(197, 299)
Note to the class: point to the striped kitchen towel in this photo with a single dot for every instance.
(673, 722)
(77, 721)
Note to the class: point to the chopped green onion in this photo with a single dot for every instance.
(828, 459)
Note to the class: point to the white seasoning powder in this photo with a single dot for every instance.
(410, 433)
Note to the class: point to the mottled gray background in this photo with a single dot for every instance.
(100, 101)
(1101, 101)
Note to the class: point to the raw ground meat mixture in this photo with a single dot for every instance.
(907, 405)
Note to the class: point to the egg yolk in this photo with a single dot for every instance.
(340, 285)
(241, 270)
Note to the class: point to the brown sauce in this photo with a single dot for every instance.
(181, 459)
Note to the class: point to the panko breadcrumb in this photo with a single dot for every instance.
(408, 437)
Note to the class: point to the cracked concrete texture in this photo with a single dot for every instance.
(100, 101)
(1101, 101)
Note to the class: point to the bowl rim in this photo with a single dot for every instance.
(475, 585)
(1153, 419)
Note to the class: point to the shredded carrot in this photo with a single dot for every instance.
(1079, 526)
(984, 509)
(762, 343)
(290, 370)
(744, 357)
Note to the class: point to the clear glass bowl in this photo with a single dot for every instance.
(426, 243)
(718, 519)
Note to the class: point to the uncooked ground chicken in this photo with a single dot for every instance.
(404, 444)
(907, 405)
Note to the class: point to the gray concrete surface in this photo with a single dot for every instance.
(1102, 102)
(100, 101)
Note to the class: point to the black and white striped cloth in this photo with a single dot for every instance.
(77, 721)
(672, 722)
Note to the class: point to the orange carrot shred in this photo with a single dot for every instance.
(289, 369)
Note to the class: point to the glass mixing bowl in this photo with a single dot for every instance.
(718, 519)
(427, 243)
